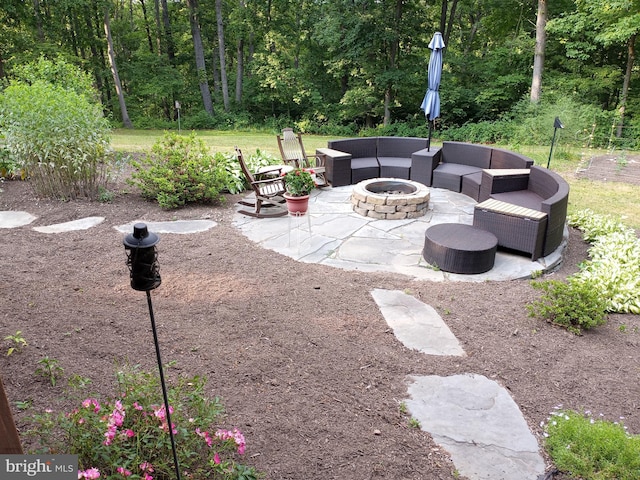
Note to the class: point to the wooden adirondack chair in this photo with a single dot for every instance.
(292, 152)
(268, 193)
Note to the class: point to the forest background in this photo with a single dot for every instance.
(346, 67)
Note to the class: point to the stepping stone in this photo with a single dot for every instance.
(11, 219)
(417, 325)
(479, 424)
(177, 226)
(82, 224)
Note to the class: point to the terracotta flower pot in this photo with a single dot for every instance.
(297, 205)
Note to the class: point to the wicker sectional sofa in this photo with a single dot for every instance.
(353, 160)
(524, 206)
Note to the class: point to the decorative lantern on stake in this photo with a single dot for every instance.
(142, 260)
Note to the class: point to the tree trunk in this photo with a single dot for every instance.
(156, 12)
(393, 56)
(146, 25)
(168, 35)
(126, 121)
(443, 16)
(631, 47)
(239, 70)
(199, 52)
(36, 10)
(538, 59)
(223, 63)
(2, 73)
(446, 25)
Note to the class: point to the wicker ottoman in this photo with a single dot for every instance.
(458, 248)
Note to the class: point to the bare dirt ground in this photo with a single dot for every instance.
(301, 355)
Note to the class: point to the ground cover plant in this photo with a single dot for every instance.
(592, 448)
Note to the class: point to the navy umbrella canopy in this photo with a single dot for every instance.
(431, 101)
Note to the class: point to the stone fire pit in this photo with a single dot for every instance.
(390, 198)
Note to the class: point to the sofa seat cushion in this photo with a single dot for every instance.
(449, 175)
(364, 162)
(522, 198)
(364, 168)
(395, 167)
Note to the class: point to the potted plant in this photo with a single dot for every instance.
(298, 185)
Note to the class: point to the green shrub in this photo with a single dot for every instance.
(180, 170)
(58, 137)
(56, 72)
(592, 449)
(127, 436)
(575, 304)
(234, 180)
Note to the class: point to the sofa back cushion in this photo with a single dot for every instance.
(400, 146)
(506, 159)
(544, 182)
(357, 147)
(466, 154)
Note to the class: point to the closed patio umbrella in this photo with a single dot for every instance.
(431, 102)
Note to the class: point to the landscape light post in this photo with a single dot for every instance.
(142, 260)
(177, 104)
(556, 125)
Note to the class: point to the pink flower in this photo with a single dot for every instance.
(123, 471)
(137, 406)
(234, 435)
(146, 467)
(115, 420)
(216, 459)
(89, 474)
(129, 433)
(206, 436)
(91, 401)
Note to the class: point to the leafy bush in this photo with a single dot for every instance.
(128, 436)
(180, 170)
(592, 449)
(584, 124)
(59, 73)
(481, 132)
(614, 266)
(58, 137)
(234, 180)
(574, 304)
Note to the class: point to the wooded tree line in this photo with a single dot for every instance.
(327, 64)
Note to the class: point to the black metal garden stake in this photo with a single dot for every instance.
(556, 125)
(142, 260)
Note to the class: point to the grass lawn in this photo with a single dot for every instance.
(617, 199)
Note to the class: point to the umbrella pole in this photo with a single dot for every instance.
(430, 122)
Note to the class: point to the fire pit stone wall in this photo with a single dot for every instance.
(369, 200)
